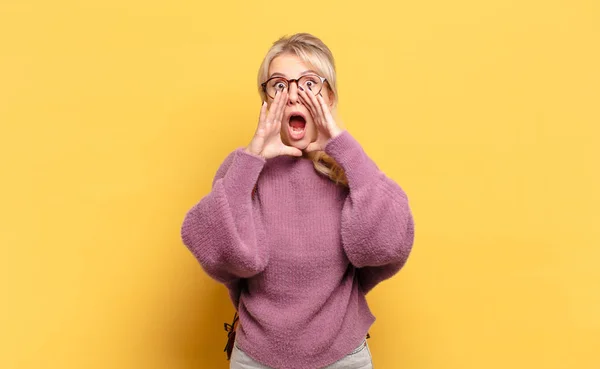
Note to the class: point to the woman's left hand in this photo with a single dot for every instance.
(319, 110)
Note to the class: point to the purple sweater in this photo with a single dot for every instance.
(300, 254)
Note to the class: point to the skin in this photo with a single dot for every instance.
(272, 137)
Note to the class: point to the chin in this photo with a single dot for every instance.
(302, 143)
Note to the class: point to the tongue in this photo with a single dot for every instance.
(297, 122)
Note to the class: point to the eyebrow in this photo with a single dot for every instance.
(310, 71)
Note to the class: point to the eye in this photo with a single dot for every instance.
(278, 84)
(311, 82)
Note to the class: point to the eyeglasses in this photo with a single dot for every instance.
(311, 81)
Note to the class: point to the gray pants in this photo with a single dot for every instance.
(360, 358)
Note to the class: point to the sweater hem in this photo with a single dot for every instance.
(339, 350)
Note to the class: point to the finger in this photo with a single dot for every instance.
(273, 107)
(292, 151)
(325, 108)
(313, 100)
(263, 114)
(310, 97)
(311, 108)
(282, 105)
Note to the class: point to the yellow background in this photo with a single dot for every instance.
(115, 116)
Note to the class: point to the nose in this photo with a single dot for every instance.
(293, 93)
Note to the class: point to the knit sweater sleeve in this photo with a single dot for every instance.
(221, 230)
(377, 223)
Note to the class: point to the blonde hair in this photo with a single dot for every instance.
(312, 51)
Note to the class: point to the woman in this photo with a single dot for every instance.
(300, 224)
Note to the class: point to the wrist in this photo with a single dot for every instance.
(249, 151)
(334, 132)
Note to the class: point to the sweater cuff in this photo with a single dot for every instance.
(348, 153)
(243, 173)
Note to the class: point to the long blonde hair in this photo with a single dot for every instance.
(312, 51)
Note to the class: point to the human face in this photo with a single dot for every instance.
(297, 127)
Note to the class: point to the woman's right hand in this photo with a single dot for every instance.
(267, 139)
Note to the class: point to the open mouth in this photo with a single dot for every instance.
(297, 126)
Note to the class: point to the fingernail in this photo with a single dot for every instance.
(301, 89)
